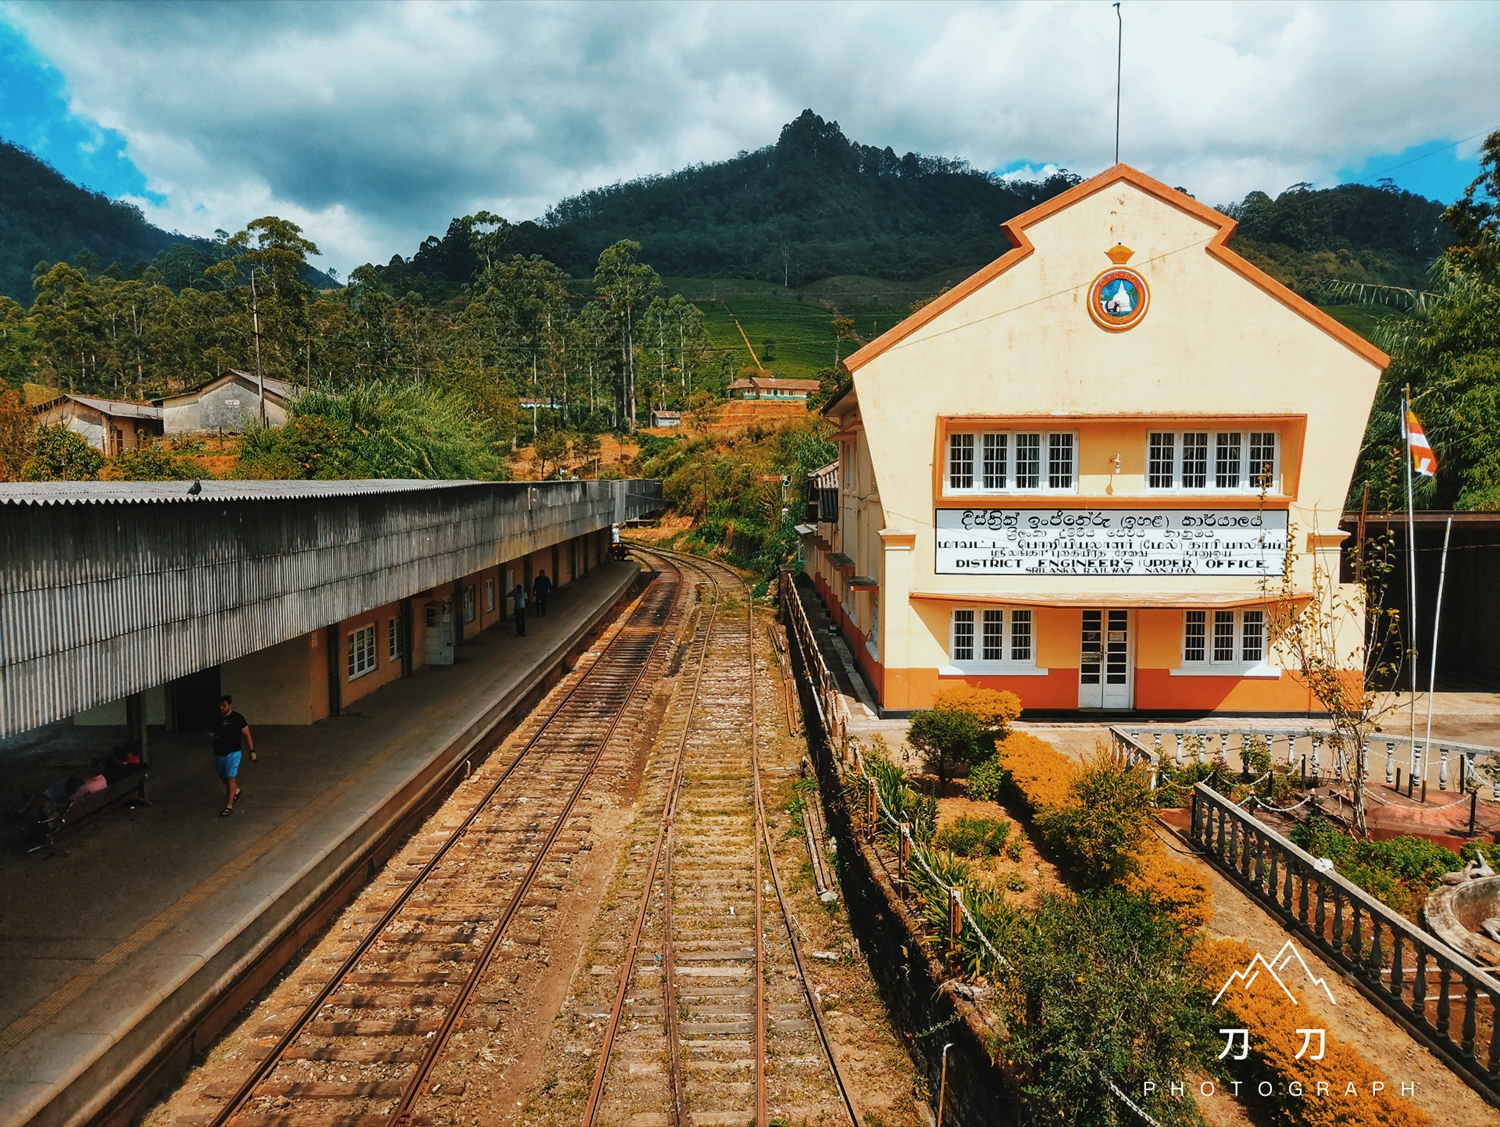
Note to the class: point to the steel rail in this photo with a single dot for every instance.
(786, 911)
(275, 1056)
(760, 927)
(402, 1113)
(663, 847)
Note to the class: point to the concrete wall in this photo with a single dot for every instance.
(235, 407)
(279, 685)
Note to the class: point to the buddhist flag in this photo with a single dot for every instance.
(1423, 460)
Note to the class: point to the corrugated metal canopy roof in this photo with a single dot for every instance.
(158, 492)
(118, 407)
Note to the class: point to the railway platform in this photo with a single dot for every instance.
(127, 946)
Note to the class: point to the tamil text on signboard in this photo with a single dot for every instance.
(1111, 542)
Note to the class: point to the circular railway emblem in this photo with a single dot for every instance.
(1119, 297)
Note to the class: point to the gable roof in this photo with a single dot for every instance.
(1021, 248)
(772, 383)
(116, 408)
(282, 390)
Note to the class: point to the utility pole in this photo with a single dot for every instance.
(260, 376)
(1119, 60)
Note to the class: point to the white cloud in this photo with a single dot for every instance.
(373, 125)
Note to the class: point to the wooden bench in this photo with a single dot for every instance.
(66, 818)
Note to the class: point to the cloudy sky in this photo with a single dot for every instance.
(373, 124)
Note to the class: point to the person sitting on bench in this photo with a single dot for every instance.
(62, 794)
(123, 762)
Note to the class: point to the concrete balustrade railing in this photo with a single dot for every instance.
(1442, 997)
(1444, 765)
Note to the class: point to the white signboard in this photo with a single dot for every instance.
(1219, 542)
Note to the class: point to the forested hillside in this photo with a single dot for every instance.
(46, 218)
(1353, 232)
(813, 205)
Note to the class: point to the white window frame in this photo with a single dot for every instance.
(362, 656)
(1246, 480)
(489, 595)
(1243, 661)
(393, 638)
(469, 605)
(976, 664)
(1008, 443)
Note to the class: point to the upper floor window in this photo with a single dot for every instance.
(1012, 462)
(1218, 461)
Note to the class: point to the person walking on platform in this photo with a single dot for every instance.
(230, 728)
(540, 589)
(519, 594)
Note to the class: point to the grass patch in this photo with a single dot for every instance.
(969, 836)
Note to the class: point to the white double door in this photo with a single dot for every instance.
(1106, 666)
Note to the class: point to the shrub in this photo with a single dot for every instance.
(1100, 830)
(1103, 985)
(394, 430)
(1400, 873)
(961, 727)
(1040, 775)
(918, 810)
(974, 837)
(985, 779)
(993, 709)
(60, 454)
(1177, 889)
(154, 462)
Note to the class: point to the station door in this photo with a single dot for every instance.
(1105, 666)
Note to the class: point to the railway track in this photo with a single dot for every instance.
(385, 1038)
(715, 1020)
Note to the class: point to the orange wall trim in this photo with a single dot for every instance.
(1156, 690)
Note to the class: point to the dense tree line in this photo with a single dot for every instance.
(515, 331)
(1307, 238)
(813, 205)
(1445, 345)
(44, 217)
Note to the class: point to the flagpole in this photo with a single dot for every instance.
(1437, 617)
(1411, 571)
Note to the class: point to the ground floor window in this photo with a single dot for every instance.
(489, 596)
(468, 604)
(1223, 637)
(361, 651)
(992, 640)
(393, 638)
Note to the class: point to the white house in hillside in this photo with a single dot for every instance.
(230, 403)
(109, 425)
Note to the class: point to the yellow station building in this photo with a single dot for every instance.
(1090, 473)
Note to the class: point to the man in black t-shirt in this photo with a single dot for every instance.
(228, 730)
(540, 589)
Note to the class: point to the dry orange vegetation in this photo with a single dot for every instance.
(1044, 777)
